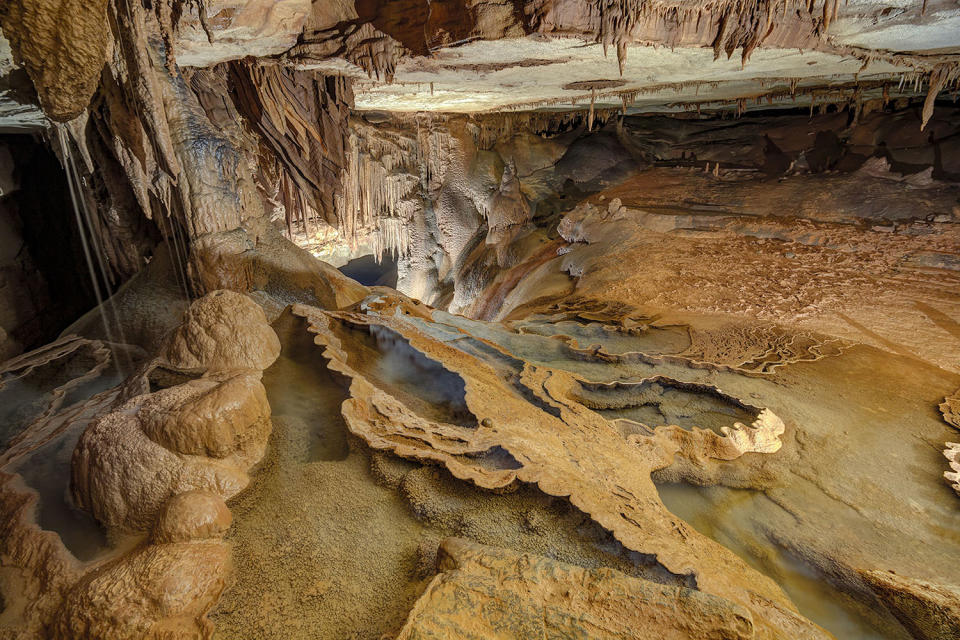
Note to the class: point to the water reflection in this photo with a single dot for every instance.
(728, 516)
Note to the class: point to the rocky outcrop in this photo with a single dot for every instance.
(643, 240)
(223, 331)
(220, 30)
(192, 515)
(123, 478)
(929, 611)
(46, 569)
(163, 462)
(63, 45)
(156, 591)
(952, 454)
(486, 592)
(524, 425)
(19, 108)
(950, 409)
(209, 417)
(200, 435)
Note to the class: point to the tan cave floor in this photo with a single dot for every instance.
(332, 540)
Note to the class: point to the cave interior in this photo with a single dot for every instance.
(487, 319)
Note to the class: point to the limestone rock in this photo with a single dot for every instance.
(952, 454)
(494, 430)
(239, 28)
(157, 591)
(193, 515)
(223, 331)
(124, 478)
(763, 436)
(209, 417)
(950, 409)
(63, 44)
(46, 569)
(929, 611)
(485, 592)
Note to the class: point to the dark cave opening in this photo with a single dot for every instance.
(43, 287)
(369, 271)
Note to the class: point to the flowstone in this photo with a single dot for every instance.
(527, 427)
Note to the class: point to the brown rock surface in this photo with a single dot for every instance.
(238, 28)
(742, 259)
(950, 409)
(531, 430)
(124, 478)
(210, 417)
(157, 591)
(44, 568)
(201, 434)
(484, 592)
(63, 44)
(223, 331)
(929, 611)
(193, 515)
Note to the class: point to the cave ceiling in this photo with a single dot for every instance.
(467, 56)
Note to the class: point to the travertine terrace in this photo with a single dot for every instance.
(499, 319)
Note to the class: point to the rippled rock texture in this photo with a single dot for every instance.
(492, 593)
(498, 426)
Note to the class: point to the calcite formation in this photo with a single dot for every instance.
(223, 331)
(952, 454)
(203, 434)
(63, 45)
(159, 590)
(192, 515)
(494, 593)
(950, 409)
(929, 611)
(162, 463)
(525, 426)
(209, 417)
(616, 265)
(216, 31)
(159, 463)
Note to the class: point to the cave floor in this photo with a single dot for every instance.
(332, 540)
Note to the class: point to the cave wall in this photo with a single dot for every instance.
(461, 198)
(44, 283)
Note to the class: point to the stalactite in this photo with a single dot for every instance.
(593, 98)
(939, 77)
(381, 184)
(301, 116)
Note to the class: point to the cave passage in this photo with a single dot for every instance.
(402, 319)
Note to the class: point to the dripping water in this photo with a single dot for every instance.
(92, 247)
(176, 245)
